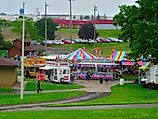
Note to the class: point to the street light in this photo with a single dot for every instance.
(46, 5)
(71, 21)
(22, 55)
(95, 9)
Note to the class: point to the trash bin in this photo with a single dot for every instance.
(121, 81)
(101, 80)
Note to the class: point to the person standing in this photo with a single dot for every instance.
(27, 73)
(39, 77)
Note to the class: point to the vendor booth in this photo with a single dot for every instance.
(80, 54)
(97, 70)
(32, 65)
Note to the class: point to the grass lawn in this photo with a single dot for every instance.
(11, 99)
(104, 33)
(32, 85)
(2, 52)
(126, 94)
(109, 33)
(147, 113)
(106, 48)
(5, 90)
(129, 77)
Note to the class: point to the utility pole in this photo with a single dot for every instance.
(46, 5)
(71, 21)
(95, 9)
(22, 56)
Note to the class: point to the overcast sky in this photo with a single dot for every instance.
(108, 7)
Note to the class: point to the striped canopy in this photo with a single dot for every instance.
(80, 54)
(118, 56)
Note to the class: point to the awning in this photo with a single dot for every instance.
(130, 63)
(118, 56)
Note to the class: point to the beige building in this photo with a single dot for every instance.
(8, 72)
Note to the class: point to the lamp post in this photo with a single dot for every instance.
(95, 9)
(71, 21)
(22, 56)
(46, 5)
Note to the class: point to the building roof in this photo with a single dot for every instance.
(80, 22)
(8, 62)
(33, 47)
(26, 40)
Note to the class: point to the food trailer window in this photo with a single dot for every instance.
(32, 69)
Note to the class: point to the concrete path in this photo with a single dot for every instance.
(100, 107)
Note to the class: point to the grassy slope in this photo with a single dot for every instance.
(31, 86)
(10, 99)
(149, 113)
(102, 33)
(126, 94)
(106, 48)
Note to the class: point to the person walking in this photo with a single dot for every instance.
(39, 77)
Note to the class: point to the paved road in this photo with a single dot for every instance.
(38, 108)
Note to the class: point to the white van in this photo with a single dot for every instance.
(58, 73)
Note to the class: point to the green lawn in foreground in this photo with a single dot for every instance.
(106, 48)
(32, 85)
(5, 90)
(126, 94)
(11, 99)
(146, 113)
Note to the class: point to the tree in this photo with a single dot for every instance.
(51, 28)
(7, 45)
(105, 17)
(1, 39)
(81, 17)
(98, 17)
(140, 26)
(31, 30)
(87, 32)
(74, 17)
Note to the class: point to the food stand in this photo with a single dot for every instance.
(32, 65)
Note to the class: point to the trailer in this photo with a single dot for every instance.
(57, 73)
(150, 78)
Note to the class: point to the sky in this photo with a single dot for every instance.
(108, 7)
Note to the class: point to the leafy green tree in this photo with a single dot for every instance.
(31, 30)
(98, 16)
(87, 32)
(7, 45)
(51, 28)
(140, 26)
(1, 39)
(81, 17)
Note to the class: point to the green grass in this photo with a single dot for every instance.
(147, 113)
(102, 32)
(126, 94)
(5, 90)
(129, 77)
(32, 85)
(106, 48)
(12, 99)
(109, 33)
(2, 52)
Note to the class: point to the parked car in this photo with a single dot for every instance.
(115, 40)
(56, 42)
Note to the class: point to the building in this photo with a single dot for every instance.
(100, 24)
(30, 49)
(8, 72)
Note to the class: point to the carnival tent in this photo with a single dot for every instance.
(128, 63)
(118, 56)
(80, 54)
